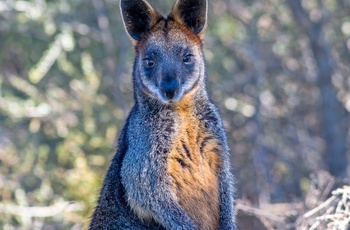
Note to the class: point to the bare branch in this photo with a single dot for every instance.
(42, 212)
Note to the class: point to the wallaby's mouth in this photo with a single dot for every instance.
(170, 91)
(170, 96)
(178, 94)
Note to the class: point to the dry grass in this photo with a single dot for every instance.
(334, 213)
(331, 213)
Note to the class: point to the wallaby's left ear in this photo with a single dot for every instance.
(138, 17)
(191, 13)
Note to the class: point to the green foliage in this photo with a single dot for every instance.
(58, 126)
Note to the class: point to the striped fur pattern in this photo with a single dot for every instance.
(172, 166)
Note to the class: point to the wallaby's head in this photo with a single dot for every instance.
(169, 61)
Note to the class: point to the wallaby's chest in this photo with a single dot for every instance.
(193, 164)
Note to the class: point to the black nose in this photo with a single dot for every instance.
(169, 89)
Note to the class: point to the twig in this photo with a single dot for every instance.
(49, 211)
(259, 212)
(321, 206)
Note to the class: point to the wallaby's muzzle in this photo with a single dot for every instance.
(169, 88)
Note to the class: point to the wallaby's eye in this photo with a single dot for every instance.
(187, 59)
(149, 62)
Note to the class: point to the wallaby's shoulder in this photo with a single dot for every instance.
(113, 211)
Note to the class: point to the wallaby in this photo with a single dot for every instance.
(172, 166)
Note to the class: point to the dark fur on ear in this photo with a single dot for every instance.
(138, 17)
(190, 13)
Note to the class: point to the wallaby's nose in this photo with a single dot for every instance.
(169, 88)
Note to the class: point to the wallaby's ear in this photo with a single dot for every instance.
(191, 13)
(138, 17)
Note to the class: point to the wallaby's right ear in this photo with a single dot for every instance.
(191, 13)
(138, 17)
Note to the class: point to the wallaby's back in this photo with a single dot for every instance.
(172, 167)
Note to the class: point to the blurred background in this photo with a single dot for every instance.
(278, 70)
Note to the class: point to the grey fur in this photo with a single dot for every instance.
(137, 184)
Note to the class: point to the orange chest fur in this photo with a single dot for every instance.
(193, 167)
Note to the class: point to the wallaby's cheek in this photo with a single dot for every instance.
(191, 78)
(145, 78)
